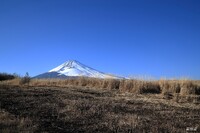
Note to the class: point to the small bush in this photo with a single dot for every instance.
(25, 80)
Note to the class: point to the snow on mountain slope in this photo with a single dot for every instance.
(75, 68)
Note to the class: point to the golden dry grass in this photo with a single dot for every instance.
(176, 90)
(182, 87)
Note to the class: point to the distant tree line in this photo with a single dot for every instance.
(6, 76)
(23, 79)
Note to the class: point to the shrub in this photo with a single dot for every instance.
(25, 80)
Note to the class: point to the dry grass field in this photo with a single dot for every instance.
(95, 105)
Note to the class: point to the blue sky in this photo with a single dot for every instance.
(157, 38)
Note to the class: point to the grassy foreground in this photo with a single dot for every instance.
(92, 105)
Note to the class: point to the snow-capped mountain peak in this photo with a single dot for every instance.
(75, 68)
(68, 64)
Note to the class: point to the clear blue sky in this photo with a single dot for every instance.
(158, 38)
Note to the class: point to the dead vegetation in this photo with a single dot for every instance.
(182, 87)
(99, 105)
(11, 123)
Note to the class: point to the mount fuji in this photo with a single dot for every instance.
(73, 68)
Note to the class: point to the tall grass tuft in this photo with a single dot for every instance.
(188, 88)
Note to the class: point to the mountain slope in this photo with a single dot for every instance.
(50, 75)
(74, 68)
